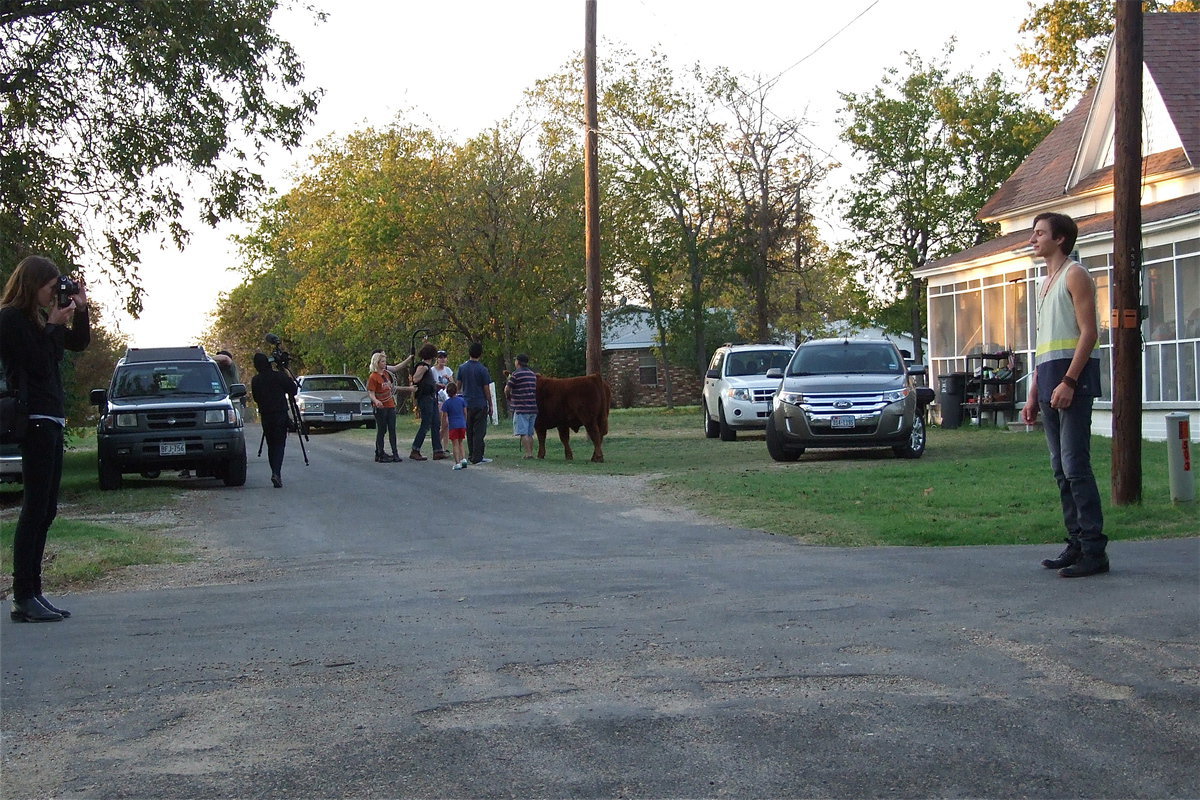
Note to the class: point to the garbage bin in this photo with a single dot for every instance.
(952, 389)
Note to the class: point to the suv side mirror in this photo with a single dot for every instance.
(916, 369)
(98, 397)
(775, 372)
(713, 373)
(237, 390)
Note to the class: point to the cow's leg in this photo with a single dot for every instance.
(541, 434)
(593, 432)
(564, 435)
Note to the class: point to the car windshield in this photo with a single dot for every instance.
(756, 362)
(165, 380)
(847, 359)
(336, 383)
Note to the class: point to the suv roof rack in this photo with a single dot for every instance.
(137, 355)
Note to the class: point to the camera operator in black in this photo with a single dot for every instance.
(271, 391)
(36, 306)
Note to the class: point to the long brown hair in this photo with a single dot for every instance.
(23, 286)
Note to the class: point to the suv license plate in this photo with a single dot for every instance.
(842, 421)
(341, 418)
(172, 449)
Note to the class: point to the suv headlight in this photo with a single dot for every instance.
(217, 416)
(895, 395)
(126, 420)
(792, 398)
(739, 393)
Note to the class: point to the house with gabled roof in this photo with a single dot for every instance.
(981, 300)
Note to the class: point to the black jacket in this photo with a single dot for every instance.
(39, 351)
(271, 390)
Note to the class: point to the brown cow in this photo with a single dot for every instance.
(570, 404)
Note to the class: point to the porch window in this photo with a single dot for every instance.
(1171, 293)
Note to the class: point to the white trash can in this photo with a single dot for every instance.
(1179, 458)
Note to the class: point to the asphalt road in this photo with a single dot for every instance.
(410, 631)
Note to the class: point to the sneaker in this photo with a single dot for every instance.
(485, 461)
(458, 466)
(463, 463)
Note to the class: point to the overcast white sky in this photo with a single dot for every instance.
(466, 63)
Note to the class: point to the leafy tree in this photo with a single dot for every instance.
(934, 147)
(1070, 40)
(108, 109)
(771, 178)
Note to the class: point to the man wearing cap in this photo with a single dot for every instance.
(521, 393)
(442, 375)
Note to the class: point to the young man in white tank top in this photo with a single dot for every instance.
(1063, 386)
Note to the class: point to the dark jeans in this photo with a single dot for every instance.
(1069, 435)
(385, 419)
(477, 422)
(41, 470)
(275, 431)
(431, 423)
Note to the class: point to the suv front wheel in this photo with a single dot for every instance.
(110, 476)
(728, 434)
(234, 471)
(775, 444)
(915, 446)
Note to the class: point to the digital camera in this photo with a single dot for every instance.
(67, 289)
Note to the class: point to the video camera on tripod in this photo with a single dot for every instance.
(281, 359)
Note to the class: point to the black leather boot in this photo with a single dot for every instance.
(383, 458)
(1088, 564)
(41, 598)
(1066, 558)
(30, 610)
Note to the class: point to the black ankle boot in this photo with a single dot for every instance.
(30, 610)
(41, 598)
(1088, 564)
(382, 458)
(1064, 559)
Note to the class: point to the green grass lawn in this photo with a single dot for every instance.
(973, 486)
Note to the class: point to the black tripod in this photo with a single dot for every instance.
(280, 359)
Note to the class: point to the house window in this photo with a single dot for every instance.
(1171, 293)
(647, 368)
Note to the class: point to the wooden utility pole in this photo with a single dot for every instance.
(591, 195)
(1127, 259)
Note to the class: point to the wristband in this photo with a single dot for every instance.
(1069, 381)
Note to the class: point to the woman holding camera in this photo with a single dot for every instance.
(34, 311)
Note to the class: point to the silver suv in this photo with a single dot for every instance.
(848, 393)
(737, 390)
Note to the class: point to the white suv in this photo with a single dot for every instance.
(737, 391)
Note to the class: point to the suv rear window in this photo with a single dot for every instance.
(847, 359)
(166, 380)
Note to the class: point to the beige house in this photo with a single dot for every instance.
(981, 300)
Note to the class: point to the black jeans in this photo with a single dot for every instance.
(41, 470)
(385, 420)
(431, 423)
(275, 431)
(477, 422)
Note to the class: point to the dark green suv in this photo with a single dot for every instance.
(169, 408)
